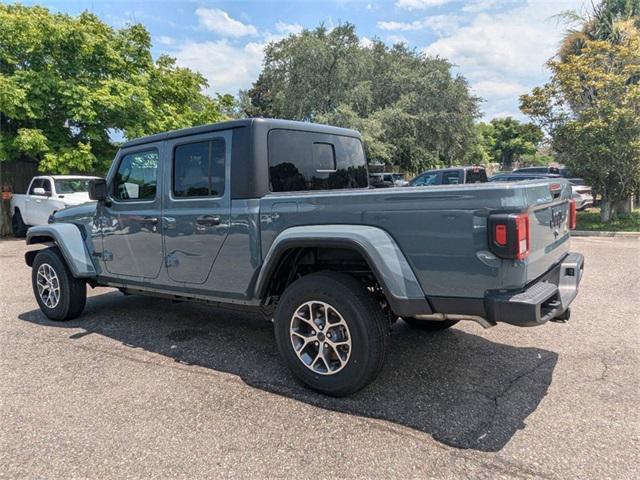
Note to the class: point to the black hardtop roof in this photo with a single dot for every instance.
(269, 123)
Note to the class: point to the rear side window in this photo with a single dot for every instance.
(137, 176)
(450, 178)
(300, 161)
(476, 176)
(198, 169)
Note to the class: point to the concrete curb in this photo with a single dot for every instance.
(587, 233)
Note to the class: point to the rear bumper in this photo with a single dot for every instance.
(545, 299)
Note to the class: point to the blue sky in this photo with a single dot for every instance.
(499, 45)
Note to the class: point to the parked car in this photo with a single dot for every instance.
(517, 177)
(277, 217)
(451, 176)
(385, 180)
(47, 194)
(580, 192)
(564, 172)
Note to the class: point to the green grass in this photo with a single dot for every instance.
(590, 220)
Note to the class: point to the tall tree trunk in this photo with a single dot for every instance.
(605, 210)
(609, 209)
(625, 206)
(5, 218)
(5, 207)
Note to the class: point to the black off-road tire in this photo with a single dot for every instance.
(72, 291)
(17, 225)
(367, 327)
(430, 325)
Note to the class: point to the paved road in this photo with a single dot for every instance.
(141, 387)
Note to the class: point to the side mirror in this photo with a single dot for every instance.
(98, 189)
(41, 191)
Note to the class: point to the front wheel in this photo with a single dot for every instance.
(331, 332)
(59, 294)
(17, 225)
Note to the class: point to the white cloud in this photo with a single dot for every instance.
(393, 39)
(227, 67)
(366, 42)
(288, 28)
(480, 5)
(166, 40)
(493, 88)
(401, 26)
(219, 21)
(420, 4)
(441, 24)
(503, 54)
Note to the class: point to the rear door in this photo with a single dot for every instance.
(197, 204)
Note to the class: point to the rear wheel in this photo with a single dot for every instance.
(331, 332)
(60, 295)
(17, 225)
(430, 325)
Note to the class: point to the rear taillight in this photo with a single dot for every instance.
(522, 234)
(573, 215)
(509, 235)
(500, 234)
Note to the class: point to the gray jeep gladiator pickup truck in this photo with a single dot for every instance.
(278, 216)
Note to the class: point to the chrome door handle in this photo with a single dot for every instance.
(168, 223)
(208, 221)
(149, 220)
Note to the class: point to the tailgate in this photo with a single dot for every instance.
(549, 229)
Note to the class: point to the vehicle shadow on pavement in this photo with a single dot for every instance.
(464, 390)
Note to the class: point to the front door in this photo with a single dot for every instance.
(131, 217)
(197, 206)
(37, 206)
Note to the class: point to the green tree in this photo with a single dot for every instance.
(507, 140)
(68, 83)
(591, 109)
(412, 111)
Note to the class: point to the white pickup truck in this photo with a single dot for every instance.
(47, 194)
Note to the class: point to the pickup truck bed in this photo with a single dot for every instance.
(277, 216)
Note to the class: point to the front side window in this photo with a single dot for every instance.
(46, 184)
(137, 176)
(300, 161)
(198, 169)
(37, 183)
(426, 179)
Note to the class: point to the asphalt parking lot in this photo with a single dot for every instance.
(145, 388)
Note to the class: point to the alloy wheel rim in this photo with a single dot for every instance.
(48, 285)
(320, 337)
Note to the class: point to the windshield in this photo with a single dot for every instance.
(71, 185)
